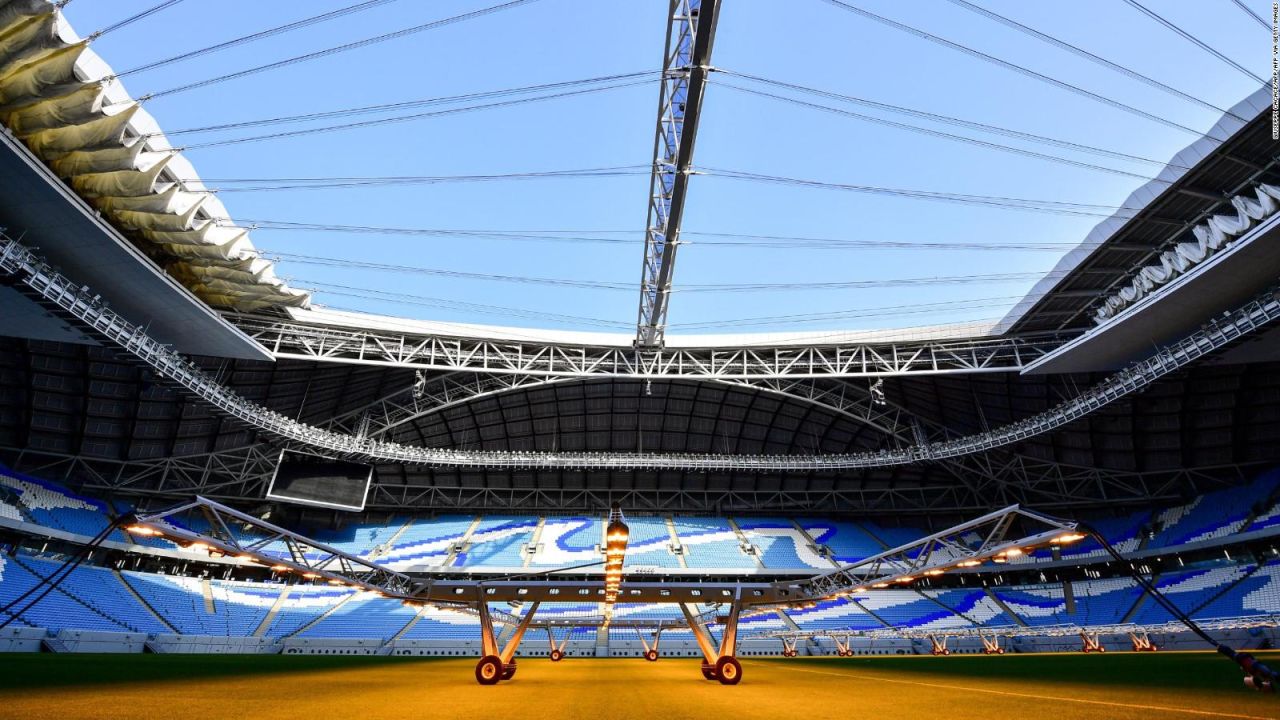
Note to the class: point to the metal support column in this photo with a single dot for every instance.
(691, 27)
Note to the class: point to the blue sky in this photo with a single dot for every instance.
(807, 42)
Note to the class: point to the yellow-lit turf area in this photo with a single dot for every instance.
(1046, 687)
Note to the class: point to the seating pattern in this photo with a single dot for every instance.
(57, 610)
(781, 544)
(426, 542)
(848, 542)
(1036, 604)
(1189, 590)
(569, 541)
(498, 541)
(649, 543)
(711, 543)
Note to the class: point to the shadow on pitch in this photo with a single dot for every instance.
(34, 671)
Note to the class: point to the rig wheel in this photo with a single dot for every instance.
(489, 670)
(728, 670)
(509, 670)
(556, 656)
(709, 671)
(651, 655)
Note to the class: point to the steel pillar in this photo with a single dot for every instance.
(938, 646)
(1091, 642)
(1141, 641)
(691, 28)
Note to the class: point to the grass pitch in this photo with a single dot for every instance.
(1080, 687)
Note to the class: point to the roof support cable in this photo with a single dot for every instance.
(1193, 39)
(366, 42)
(1249, 11)
(263, 34)
(948, 120)
(1081, 52)
(979, 55)
(134, 18)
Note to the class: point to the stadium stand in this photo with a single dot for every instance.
(499, 541)
(780, 544)
(650, 543)
(848, 542)
(711, 543)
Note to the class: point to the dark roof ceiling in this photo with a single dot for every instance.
(81, 400)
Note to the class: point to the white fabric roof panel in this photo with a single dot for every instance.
(65, 104)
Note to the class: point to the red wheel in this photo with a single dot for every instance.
(1086, 649)
(509, 670)
(556, 656)
(729, 670)
(708, 671)
(946, 652)
(1101, 649)
(651, 655)
(999, 651)
(489, 670)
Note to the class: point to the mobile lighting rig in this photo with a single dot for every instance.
(992, 538)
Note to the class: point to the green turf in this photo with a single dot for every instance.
(21, 671)
(31, 671)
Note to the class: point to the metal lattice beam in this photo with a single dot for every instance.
(970, 544)
(428, 396)
(691, 29)
(292, 340)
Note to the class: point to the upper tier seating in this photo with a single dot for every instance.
(569, 541)
(711, 543)
(427, 541)
(498, 541)
(650, 543)
(53, 506)
(848, 542)
(781, 545)
(361, 538)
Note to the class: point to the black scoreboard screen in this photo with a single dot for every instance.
(321, 482)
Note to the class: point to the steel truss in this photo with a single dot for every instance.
(289, 339)
(428, 396)
(994, 537)
(241, 475)
(250, 539)
(691, 30)
(1013, 631)
(43, 284)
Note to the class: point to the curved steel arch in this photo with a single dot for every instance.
(430, 396)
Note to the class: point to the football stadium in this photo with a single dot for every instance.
(324, 373)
